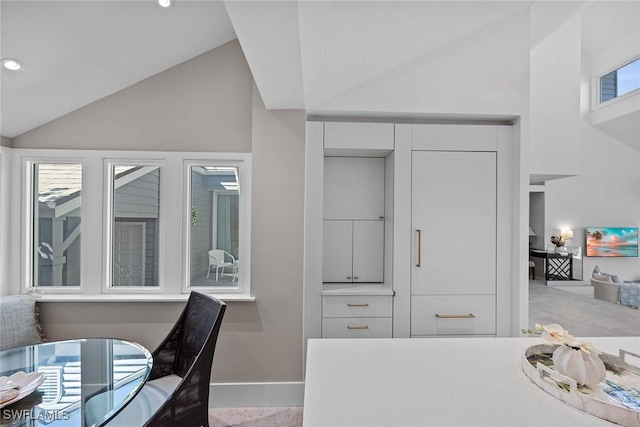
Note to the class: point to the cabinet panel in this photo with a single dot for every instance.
(342, 135)
(454, 207)
(337, 251)
(368, 251)
(453, 310)
(353, 188)
(362, 327)
(357, 306)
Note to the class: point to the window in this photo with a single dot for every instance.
(219, 229)
(148, 221)
(621, 81)
(57, 214)
(134, 224)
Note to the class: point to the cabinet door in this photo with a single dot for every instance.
(337, 250)
(368, 251)
(353, 188)
(454, 207)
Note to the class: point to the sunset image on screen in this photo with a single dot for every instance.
(612, 242)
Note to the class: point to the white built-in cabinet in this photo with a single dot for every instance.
(453, 214)
(409, 230)
(353, 226)
(353, 251)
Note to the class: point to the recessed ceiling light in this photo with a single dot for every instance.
(164, 3)
(11, 64)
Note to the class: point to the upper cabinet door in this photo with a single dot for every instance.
(454, 207)
(353, 188)
(337, 251)
(358, 136)
(368, 251)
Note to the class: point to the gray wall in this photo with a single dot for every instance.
(206, 104)
(4, 141)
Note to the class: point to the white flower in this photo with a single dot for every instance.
(554, 334)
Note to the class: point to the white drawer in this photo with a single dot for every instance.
(453, 315)
(361, 327)
(356, 306)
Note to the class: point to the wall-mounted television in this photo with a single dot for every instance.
(612, 241)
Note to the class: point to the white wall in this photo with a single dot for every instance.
(555, 101)
(484, 73)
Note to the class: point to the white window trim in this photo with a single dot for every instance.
(596, 93)
(173, 271)
(107, 284)
(28, 197)
(243, 163)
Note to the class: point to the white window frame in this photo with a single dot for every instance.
(243, 163)
(107, 285)
(96, 228)
(27, 225)
(596, 93)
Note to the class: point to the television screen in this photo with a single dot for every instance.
(612, 241)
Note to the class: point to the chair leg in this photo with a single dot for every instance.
(532, 271)
(208, 271)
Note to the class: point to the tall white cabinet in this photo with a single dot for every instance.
(409, 230)
(453, 213)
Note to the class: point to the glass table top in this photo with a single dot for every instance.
(85, 382)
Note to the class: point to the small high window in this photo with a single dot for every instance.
(621, 81)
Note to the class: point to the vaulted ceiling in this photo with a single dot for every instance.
(302, 54)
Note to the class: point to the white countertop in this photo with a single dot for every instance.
(434, 382)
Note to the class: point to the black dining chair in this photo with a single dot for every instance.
(177, 391)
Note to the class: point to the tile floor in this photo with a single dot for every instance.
(255, 417)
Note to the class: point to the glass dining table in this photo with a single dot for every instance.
(84, 382)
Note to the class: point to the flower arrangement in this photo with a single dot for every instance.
(573, 358)
(558, 241)
(554, 334)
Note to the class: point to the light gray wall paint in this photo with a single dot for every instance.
(200, 105)
(6, 142)
(214, 107)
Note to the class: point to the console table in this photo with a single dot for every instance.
(557, 266)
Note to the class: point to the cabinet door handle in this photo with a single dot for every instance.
(456, 316)
(349, 277)
(419, 264)
(357, 305)
(355, 277)
(358, 327)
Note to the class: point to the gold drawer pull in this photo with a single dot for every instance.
(357, 305)
(456, 316)
(358, 327)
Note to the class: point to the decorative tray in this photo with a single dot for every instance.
(18, 386)
(615, 399)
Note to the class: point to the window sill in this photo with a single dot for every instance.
(135, 298)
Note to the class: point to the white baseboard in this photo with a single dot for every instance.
(239, 395)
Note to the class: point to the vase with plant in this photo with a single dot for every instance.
(558, 242)
(573, 358)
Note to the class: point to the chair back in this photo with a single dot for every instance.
(216, 256)
(188, 353)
